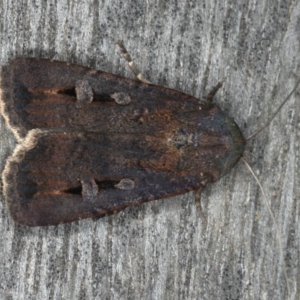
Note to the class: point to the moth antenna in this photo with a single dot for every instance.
(279, 237)
(276, 112)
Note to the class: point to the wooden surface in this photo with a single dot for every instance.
(163, 250)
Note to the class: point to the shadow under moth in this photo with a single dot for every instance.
(92, 143)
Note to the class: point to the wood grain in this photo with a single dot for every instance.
(164, 250)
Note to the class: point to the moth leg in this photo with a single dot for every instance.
(199, 209)
(131, 64)
(214, 90)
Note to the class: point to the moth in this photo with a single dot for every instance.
(93, 143)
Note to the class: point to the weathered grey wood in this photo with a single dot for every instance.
(163, 250)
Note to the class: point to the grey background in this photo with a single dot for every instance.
(163, 250)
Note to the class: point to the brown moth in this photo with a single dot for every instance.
(93, 143)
